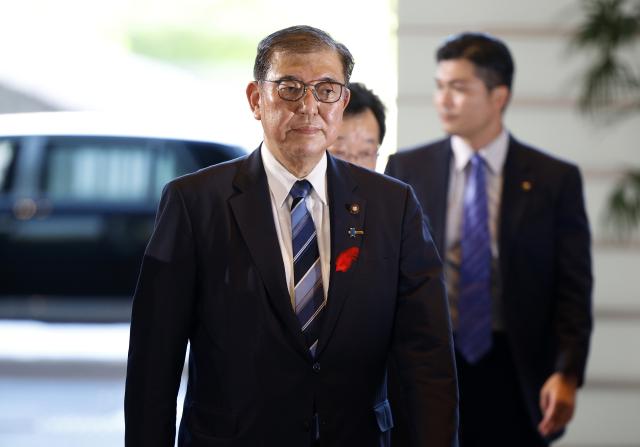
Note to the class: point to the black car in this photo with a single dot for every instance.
(77, 210)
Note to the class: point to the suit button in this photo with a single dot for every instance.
(316, 367)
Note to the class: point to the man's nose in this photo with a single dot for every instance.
(443, 98)
(308, 102)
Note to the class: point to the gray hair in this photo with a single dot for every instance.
(299, 39)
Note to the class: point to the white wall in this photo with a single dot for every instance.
(543, 113)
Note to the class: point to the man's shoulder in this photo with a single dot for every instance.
(374, 183)
(411, 163)
(539, 158)
(422, 152)
(216, 176)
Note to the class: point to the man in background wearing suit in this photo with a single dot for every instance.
(510, 224)
(363, 128)
(293, 276)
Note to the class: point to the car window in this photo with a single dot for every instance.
(173, 160)
(7, 156)
(107, 169)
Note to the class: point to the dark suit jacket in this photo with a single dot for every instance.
(544, 249)
(213, 276)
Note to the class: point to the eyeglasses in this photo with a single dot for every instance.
(323, 91)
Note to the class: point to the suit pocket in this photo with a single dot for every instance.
(383, 414)
(211, 424)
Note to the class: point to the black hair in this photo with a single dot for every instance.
(490, 56)
(362, 99)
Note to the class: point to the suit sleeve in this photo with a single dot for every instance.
(422, 349)
(160, 324)
(573, 321)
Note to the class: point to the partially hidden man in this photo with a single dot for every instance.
(510, 223)
(294, 277)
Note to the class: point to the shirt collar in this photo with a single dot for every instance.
(493, 153)
(281, 180)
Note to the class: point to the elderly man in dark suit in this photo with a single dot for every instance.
(510, 222)
(293, 276)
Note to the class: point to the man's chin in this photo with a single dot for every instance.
(311, 152)
(448, 127)
(309, 146)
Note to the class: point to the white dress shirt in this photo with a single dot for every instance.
(494, 155)
(280, 182)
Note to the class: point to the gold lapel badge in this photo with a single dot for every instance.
(353, 232)
(526, 185)
(354, 208)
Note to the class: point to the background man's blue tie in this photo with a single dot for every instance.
(473, 336)
(309, 292)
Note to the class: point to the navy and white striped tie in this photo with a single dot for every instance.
(473, 336)
(309, 293)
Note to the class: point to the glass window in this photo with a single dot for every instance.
(106, 169)
(7, 156)
(166, 169)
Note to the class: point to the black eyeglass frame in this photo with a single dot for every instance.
(305, 87)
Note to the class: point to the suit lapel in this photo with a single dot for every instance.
(251, 208)
(347, 211)
(516, 188)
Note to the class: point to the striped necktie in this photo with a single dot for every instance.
(473, 336)
(309, 294)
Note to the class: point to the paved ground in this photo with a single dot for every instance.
(62, 385)
(61, 405)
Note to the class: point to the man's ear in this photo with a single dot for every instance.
(346, 97)
(500, 96)
(253, 95)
